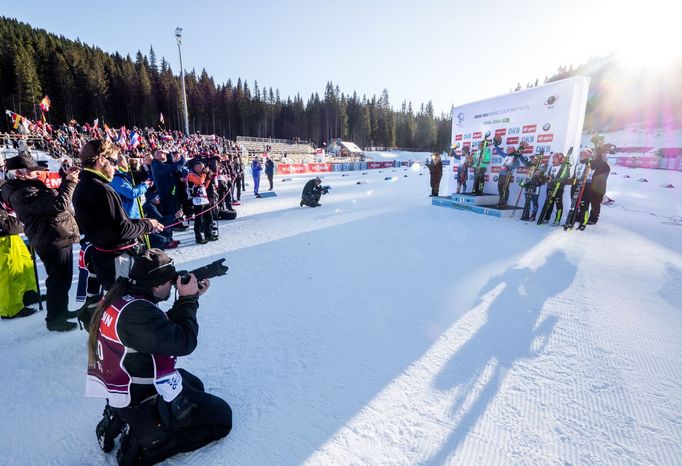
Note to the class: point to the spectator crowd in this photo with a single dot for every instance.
(121, 195)
(156, 176)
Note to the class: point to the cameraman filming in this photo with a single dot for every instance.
(312, 192)
(132, 350)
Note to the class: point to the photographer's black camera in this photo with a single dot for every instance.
(214, 269)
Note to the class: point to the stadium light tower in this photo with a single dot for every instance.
(178, 39)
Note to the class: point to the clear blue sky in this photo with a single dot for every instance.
(450, 52)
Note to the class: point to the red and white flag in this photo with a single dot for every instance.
(45, 104)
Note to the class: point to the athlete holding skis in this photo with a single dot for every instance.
(557, 177)
(482, 161)
(466, 160)
(513, 159)
(531, 186)
(579, 180)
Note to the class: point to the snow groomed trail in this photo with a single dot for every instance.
(379, 329)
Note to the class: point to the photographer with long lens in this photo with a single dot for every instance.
(132, 351)
(312, 192)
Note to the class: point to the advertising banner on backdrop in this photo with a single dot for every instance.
(548, 118)
(373, 165)
(297, 168)
(639, 162)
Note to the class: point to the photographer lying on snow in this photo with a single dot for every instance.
(312, 192)
(132, 350)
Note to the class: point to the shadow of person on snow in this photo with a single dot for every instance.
(671, 290)
(511, 332)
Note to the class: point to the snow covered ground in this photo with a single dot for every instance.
(379, 329)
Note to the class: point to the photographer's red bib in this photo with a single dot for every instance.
(108, 378)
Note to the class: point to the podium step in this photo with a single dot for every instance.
(490, 210)
(476, 199)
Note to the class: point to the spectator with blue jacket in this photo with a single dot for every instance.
(123, 184)
(256, 168)
(165, 175)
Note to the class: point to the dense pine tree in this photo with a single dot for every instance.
(85, 83)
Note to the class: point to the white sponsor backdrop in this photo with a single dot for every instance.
(548, 117)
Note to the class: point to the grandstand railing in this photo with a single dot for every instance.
(34, 141)
(273, 141)
(396, 149)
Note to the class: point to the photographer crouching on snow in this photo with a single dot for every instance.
(132, 350)
(312, 192)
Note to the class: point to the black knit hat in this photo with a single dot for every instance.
(153, 268)
(23, 161)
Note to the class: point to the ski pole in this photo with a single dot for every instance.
(35, 274)
(518, 198)
(140, 210)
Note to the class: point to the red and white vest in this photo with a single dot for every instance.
(109, 378)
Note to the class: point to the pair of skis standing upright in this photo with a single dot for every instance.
(580, 181)
(581, 178)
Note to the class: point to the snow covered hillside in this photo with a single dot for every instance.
(379, 329)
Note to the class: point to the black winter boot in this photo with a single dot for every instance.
(86, 311)
(108, 429)
(130, 451)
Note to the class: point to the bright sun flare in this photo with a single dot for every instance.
(646, 35)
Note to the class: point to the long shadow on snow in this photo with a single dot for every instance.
(671, 290)
(510, 334)
(303, 348)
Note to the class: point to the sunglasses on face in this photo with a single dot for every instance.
(112, 160)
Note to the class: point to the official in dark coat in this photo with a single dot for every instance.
(270, 170)
(50, 226)
(601, 171)
(436, 171)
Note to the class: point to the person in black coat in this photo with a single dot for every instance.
(312, 191)
(161, 410)
(238, 168)
(100, 214)
(270, 170)
(50, 226)
(436, 171)
(597, 187)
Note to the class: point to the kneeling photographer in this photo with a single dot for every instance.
(312, 192)
(132, 353)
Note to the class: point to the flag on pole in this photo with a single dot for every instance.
(122, 135)
(17, 120)
(107, 131)
(161, 118)
(95, 123)
(134, 139)
(45, 104)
